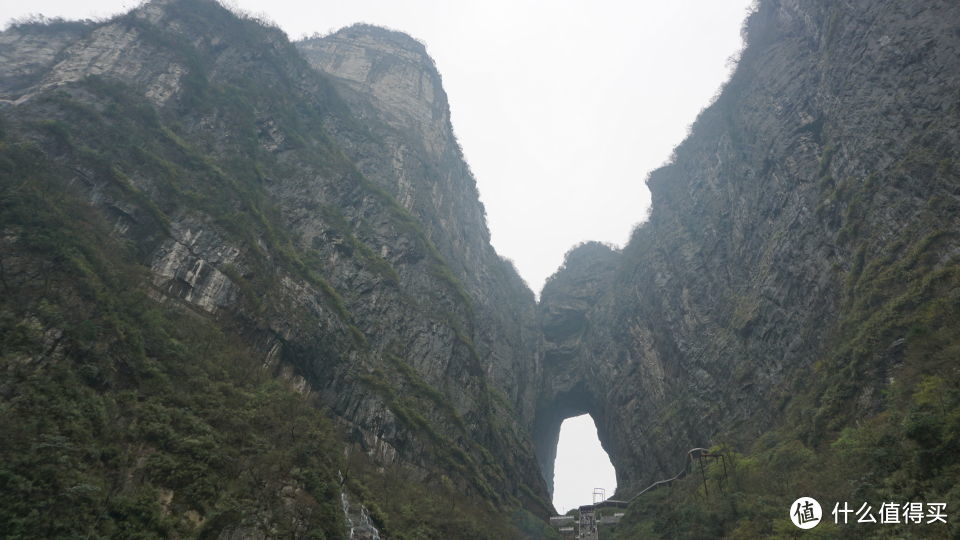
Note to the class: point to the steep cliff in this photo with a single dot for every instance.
(389, 81)
(248, 288)
(324, 225)
(797, 277)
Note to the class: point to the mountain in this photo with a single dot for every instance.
(197, 218)
(792, 298)
(249, 291)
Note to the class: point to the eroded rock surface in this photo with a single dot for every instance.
(832, 148)
(311, 199)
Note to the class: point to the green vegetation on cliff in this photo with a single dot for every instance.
(863, 405)
(123, 417)
(197, 282)
(902, 449)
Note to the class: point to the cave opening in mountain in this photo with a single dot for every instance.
(584, 452)
(581, 465)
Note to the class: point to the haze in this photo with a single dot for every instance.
(562, 109)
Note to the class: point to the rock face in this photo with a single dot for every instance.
(311, 203)
(388, 78)
(311, 199)
(394, 74)
(832, 148)
(571, 385)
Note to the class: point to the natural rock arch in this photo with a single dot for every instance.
(570, 385)
(550, 418)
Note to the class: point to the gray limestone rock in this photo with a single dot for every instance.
(312, 199)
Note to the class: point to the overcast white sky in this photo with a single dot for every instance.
(581, 465)
(562, 107)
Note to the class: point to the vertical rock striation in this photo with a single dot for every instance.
(310, 203)
(312, 200)
(831, 150)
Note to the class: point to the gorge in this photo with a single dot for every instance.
(248, 280)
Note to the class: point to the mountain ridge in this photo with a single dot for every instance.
(229, 163)
(756, 309)
(248, 283)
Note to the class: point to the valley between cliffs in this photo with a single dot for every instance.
(248, 285)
